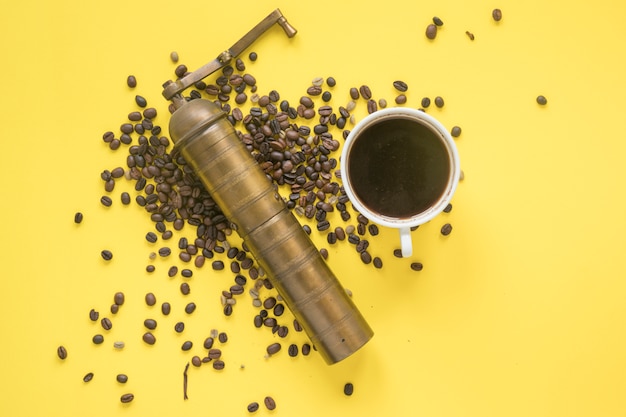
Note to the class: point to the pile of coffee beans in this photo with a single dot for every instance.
(296, 144)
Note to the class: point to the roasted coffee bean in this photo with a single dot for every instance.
(326, 96)
(366, 257)
(542, 100)
(93, 315)
(118, 298)
(273, 348)
(126, 398)
(400, 99)
(496, 14)
(166, 308)
(269, 302)
(179, 327)
(331, 238)
(448, 208)
(150, 299)
(348, 389)
(293, 350)
(187, 345)
(365, 92)
(323, 225)
(134, 116)
(439, 101)
(78, 217)
(196, 361)
(354, 93)
(469, 35)
(180, 70)
(131, 81)
(121, 378)
(125, 198)
(208, 343)
(222, 337)
(88, 377)
(378, 263)
(324, 253)
(306, 349)
(150, 268)
(437, 21)
(62, 352)
(150, 324)
(252, 56)
(253, 407)
(114, 308)
(431, 31)
(258, 321)
(401, 86)
(425, 102)
(446, 229)
(397, 253)
(190, 308)
(106, 201)
(149, 338)
(218, 364)
(282, 331)
(371, 106)
(151, 237)
(269, 402)
(218, 265)
(106, 323)
(297, 326)
(172, 271)
(187, 273)
(214, 353)
(372, 229)
(417, 266)
(455, 132)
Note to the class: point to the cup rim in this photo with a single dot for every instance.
(421, 117)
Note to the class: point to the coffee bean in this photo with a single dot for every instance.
(151, 237)
(166, 308)
(348, 389)
(106, 201)
(62, 352)
(150, 299)
(455, 132)
(439, 101)
(218, 364)
(149, 338)
(93, 315)
(448, 208)
(306, 349)
(324, 253)
(150, 113)
(446, 229)
(378, 263)
(121, 378)
(114, 308)
(354, 93)
(293, 350)
(258, 320)
(118, 298)
(371, 106)
(365, 92)
(106, 323)
(184, 288)
(269, 302)
(437, 21)
(542, 100)
(469, 35)
(417, 266)
(190, 308)
(400, 86)
(326, 96)
(253, 406)
(78, 217)
(131, 81)
(282, 331)
(218, 265)
(269, 402)
(187, 345)
(118, 345)
(496, 14)
(208, 343)
(252, 56)
(431, 31)
(273, 348)
(222, 337)
(214, 353)
(125, 198)
(179, 327)
(150, 324)
(366, 257)
(88, 377)
(180, 71)
(126, 398)
(425, 102)
(382, 103)
(400, 99)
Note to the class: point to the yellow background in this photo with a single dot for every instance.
(519, 312)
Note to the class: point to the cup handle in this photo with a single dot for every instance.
(405, 242)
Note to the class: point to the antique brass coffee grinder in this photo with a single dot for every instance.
(209, 143)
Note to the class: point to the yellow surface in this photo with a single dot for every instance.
(519, 312)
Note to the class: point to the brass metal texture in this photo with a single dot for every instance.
(172, 88)
(208, 142)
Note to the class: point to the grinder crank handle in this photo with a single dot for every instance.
(172, 88)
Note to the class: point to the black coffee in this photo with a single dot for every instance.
(398, 168)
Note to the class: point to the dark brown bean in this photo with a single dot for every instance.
(187, 345)
(417, 266)
(179, 327)
(184, 288)
(218, 265)
(115, 308)
(62, 352)
(269, 402)
(354, 93)
(88, 377)
(253, 406)
(273, 348)
(97, 339)
(150, 299)
(446, 229)
(106, 201)
(366, 257)
(118, 298)
(306, 349)
(149, 338)
(439, 101)
(78, 217)
(93, 315)
(166, 308)
(455, 132)
(431, 31)
(400, 99)
(106, 323)
(121, 378)
(222, 337)
(131, 81)
(348, 389)
(150, 324)
(401, 86)
(218, 364)
(190, 308)
(378, 263)
(365, 92)
(293, 350)
(126, 398)
(496, 14)
(469, 35)
(437, 21)
(542, 100)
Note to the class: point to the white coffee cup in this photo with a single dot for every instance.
(400, 168)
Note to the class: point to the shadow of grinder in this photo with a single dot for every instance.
(205, 138)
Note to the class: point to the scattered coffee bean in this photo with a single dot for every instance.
(150, 324)
(439, 102)
(150, 299)
(218, 265)
(425, 102)
(118, 298)
(107, 255)
(88, 377)
(252, 56)
(366, 257)
(106, 323)
(190, 308)
(166, 308)
(126, 398)
(448, 208)
(106, 201)
(222, 337)
(446, 229)
(253, 406)
(187, 345)
(431, 31)
(179, 327)
(151, 237)
(401, 86)
(184, 288)
(149, 338)
(455, 132)
(269, 402)
(348, 389)
(121, 378)
(400, 99)
(306, 349)
(125, 198)
(378, 263)
(469, 35)
(115, 308)
(131, 81)
(78, 217)
(273, 348)
(437, 21)
(93, 315)
(218, 364)
(542, 100)
(496, 14)
(293, 350)
(62, 352)
(417, 266)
